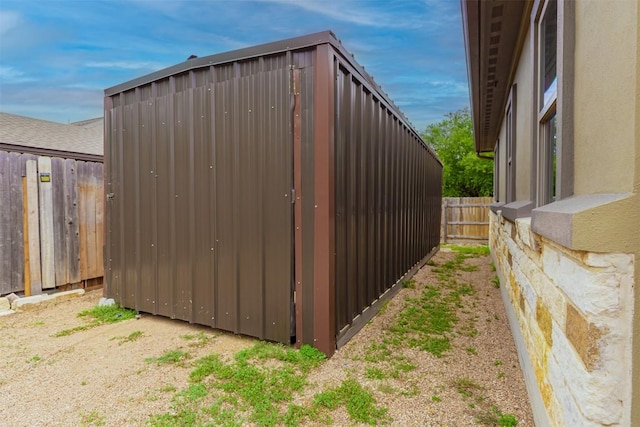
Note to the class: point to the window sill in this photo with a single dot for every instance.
(496, 206)
(596, 222)
(515, 210)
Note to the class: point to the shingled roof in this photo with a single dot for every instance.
(80, 140)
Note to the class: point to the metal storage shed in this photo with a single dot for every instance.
(273, 191)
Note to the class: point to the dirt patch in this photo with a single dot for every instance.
(111, 374)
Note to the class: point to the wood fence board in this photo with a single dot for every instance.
(60, 250)
(5, 223)
(91, 224)
(35, 272)
(82, 220)
(99, 231)
(71, 219)
(47, 247)
(17, 240)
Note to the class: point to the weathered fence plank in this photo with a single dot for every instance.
(60, 250)
(71, 231)
(99, 234)
(90, 218)
(47, 245)
(35, 272)
(17, 255)
(5, 223)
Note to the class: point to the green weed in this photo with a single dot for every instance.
(496, 282)
(409, 284)
(169, 357)
(466, 387)
(99, 315)
(472, 250)
(374, 374)
(494, 416)
(93, 418)
(133, 336)
(198, 340)
(359, 403)
(256, 386)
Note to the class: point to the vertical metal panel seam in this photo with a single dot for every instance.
(137, 213)
(192, 208)
(213, 169)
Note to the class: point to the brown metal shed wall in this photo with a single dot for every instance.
(387, 186)
(203, 160)
(200, 215)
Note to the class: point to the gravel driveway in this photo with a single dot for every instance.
(460, 369)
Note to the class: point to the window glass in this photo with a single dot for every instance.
(549, 31)
(551, 151)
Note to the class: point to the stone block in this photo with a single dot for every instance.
(543, 317)
(593, 292)
(32, 302)
(12, 297)
(6, 312)
(598, 395)
(67, 295)
(621, 263)
(4, 304)
(584, 336)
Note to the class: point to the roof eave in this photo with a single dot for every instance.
(493, 36)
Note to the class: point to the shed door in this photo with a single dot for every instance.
(199, 210)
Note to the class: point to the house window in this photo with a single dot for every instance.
(510, 120)
(547, 73)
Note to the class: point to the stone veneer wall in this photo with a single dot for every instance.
(574, 311)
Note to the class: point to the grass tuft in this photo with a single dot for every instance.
(99, 315)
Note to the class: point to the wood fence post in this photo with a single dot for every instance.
(444, 221)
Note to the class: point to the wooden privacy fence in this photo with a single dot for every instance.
(465, 218)
(51, 222)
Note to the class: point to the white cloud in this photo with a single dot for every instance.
(8, 21)
(10, 75)
(348, 11)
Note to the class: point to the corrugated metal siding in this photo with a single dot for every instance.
(388, 186)
(202, 160)
(200, 219)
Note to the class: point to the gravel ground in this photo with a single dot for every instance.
(98, 377)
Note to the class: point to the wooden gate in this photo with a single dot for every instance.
(51, 216)
(465, 219)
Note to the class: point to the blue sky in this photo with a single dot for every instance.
(58, 56)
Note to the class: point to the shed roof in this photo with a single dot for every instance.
(295, 43)
(81, 140)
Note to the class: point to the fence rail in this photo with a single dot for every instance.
(465, 219)
(51, 223)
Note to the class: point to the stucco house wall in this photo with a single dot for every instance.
(569, 267)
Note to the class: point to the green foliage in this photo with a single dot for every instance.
(99, 315)
(256, 387)
(494, 417)
(169, 357)
(360, 404)
(133, 336)
(108, 313)
(464, 173)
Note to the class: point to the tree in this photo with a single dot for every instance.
(464, 173)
